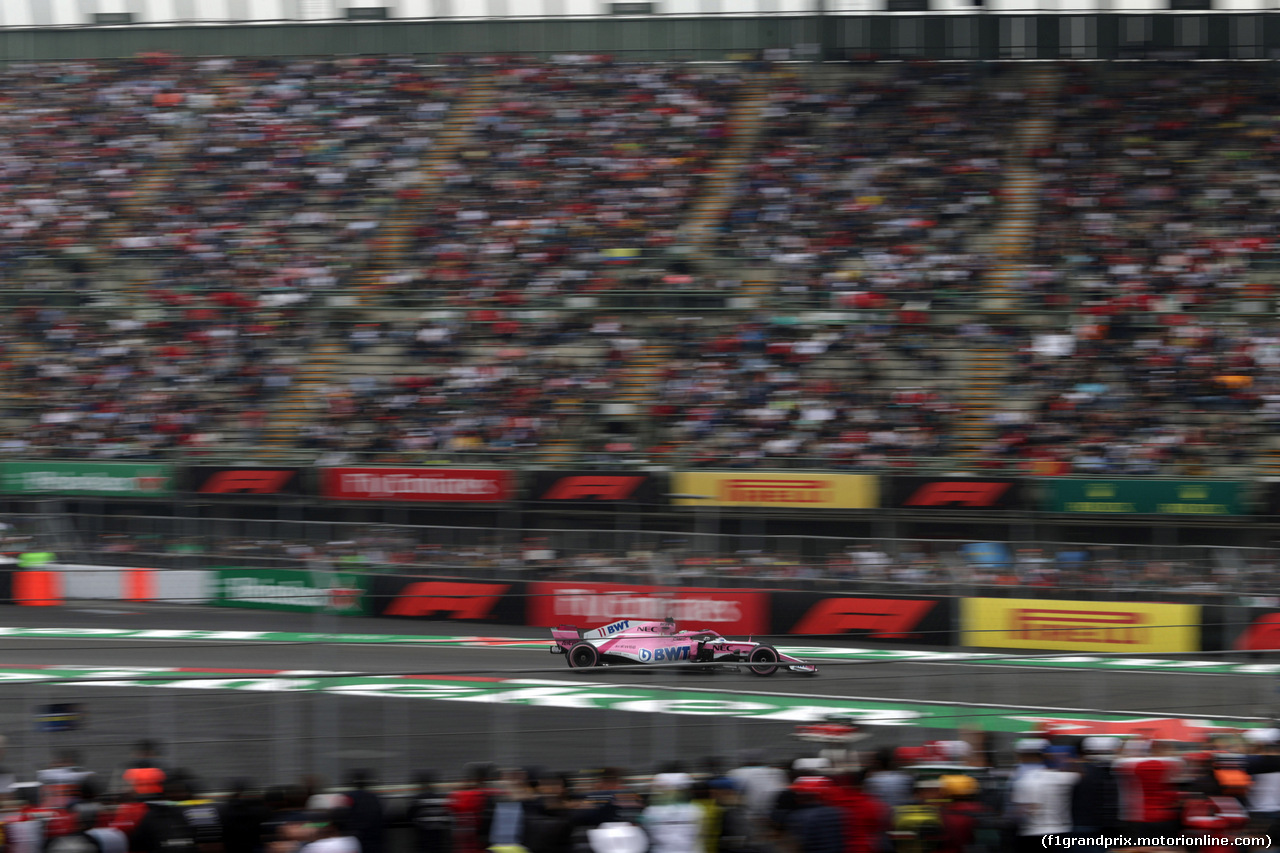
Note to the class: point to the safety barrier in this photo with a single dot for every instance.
(782, 488)
(1034, 624)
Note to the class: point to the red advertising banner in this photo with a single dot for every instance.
(436, 485)
(589, 605)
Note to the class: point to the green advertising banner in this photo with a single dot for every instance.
(1143, 497)
(115, 479)
(291, 589)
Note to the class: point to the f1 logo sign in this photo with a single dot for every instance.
(595, 487)
(879, 618)
(247, 480)
(1262, 635)
(450, 599)
(976, 493)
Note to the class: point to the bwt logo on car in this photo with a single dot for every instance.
(672, 654)
(613, 629)
(589, 604)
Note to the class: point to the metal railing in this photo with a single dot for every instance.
(640, 458)
(358, 304)
(1031, 567)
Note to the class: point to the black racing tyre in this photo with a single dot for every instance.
(766, 657)
(583, 656)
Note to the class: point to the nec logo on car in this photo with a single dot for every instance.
(673, 653)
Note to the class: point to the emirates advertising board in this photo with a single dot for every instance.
(418, 485)
(588, 605)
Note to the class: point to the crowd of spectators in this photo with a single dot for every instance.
(760, 393)
(1150, 216)
(882, 186)
(674, 560)
(945, 796)
(253, 177)
(287, 174)
(573, 170)
(484, 381)
(124, 388)
(76, 140)
(237, 190)
(270, 180)
(1140, 399)
(1157, 189)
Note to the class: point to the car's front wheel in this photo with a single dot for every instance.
(583, 656)
(763, 660)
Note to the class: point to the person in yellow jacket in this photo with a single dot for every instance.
(712, 816)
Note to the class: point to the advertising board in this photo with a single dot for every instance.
(1079, 626)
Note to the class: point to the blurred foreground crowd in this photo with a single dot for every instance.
(1096, 793)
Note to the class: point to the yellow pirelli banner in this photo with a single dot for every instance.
(797, 490)
(1079, 626)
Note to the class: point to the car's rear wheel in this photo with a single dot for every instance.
(763, 660)
(583, 656)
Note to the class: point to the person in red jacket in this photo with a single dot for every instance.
(36, 821)
(1150, 801)
(866, 818)
(468, 805)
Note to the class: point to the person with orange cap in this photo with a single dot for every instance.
(960, 812)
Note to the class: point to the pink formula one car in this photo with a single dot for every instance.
(630, 642)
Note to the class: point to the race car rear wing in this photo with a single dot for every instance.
(567, 633)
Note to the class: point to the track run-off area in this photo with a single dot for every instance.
(210, 676)
(86, 649)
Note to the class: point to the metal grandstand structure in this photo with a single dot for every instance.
(709, 30)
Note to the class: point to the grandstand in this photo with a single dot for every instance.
(736, 265)
(905, 325)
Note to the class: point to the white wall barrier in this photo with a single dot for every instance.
(183, 586)
(79, 582)
(56, 583)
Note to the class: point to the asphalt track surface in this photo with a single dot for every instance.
(273, 736)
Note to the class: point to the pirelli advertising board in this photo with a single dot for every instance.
(1079, 626)
(778, 489)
